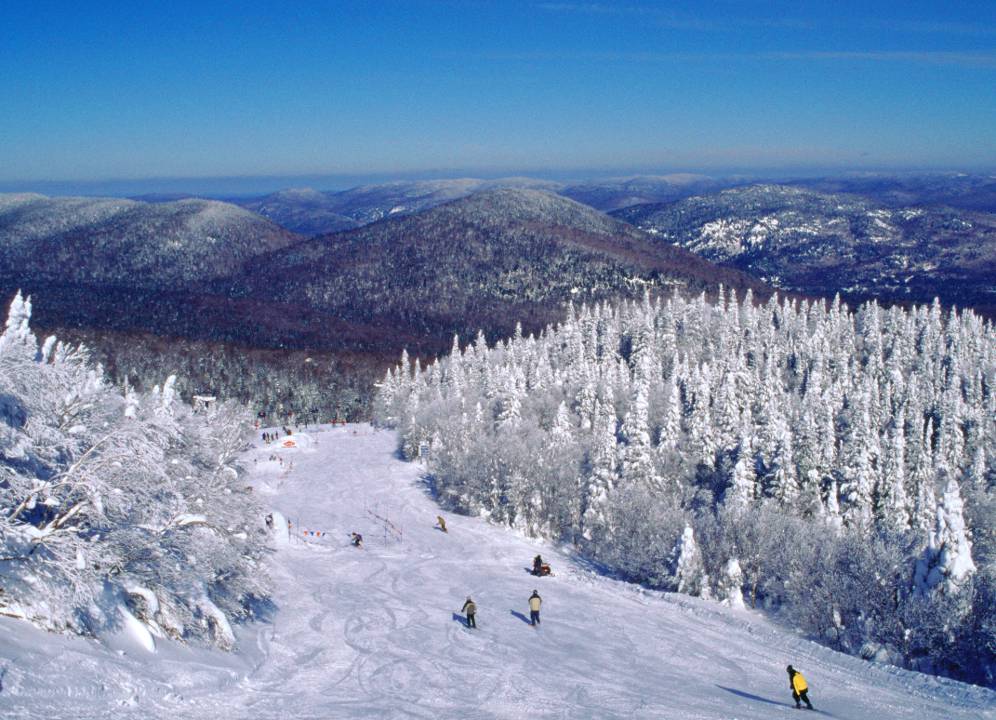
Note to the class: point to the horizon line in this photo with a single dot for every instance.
(347, 180)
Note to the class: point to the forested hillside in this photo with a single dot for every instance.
(115, 242)
(478, 263)
(833, 467)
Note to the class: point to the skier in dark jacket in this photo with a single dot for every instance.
(356, 539)
(799, 688)
(537, 565)
(471, 609)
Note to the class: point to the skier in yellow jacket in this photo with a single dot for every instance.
(797, 683)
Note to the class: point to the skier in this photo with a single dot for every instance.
(470, 608)
(534, 608)
(799, 688)
(441, 522)
(357, 539)
(537, 565)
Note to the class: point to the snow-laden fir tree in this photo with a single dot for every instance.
(689, 570)
(946, 564)
(731, 585)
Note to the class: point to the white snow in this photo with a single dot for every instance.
(136, 630)
(376, 633)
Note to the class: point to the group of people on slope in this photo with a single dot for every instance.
(535, 602)
(797, 683)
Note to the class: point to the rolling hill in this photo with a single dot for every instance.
(195, 276)
(481, 262)
(302, 210)
(110, 241)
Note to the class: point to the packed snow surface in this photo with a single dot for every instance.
(375, 632)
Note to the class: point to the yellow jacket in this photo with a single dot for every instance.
(799, 682)
(534, 603)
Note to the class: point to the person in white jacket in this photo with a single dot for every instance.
(535, 601)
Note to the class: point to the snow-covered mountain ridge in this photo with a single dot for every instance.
(481, 262)
(375, 633)
(822, 243)
(113, 241)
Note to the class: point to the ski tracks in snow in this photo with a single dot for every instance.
(374, 633)
(370, 633)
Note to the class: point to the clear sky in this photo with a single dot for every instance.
(136, 89)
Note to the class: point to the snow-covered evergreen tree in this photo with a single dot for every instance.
(689, 570)
(731, 584)
(946, 563)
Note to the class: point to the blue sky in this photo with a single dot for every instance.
(208, 89)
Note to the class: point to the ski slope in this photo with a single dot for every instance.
(375, 632)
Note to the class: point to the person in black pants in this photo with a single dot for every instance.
(470, 608)
(799, 688)
(534, 608)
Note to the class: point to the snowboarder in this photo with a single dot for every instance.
(470, 608)
(441, 523)
(357, 539)
(534, 608)
(797, 683)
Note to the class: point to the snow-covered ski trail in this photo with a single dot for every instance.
(376, 632)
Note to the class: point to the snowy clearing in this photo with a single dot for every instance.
(376, 633)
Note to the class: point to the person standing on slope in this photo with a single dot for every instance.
(470, 608)
(535, 601)
(441, 522)
(797, 683)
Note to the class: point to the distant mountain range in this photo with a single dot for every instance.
(957, 190)
(615, 193)
(823, 243)
(212, 276)
(302, 210)
(311, 212)
(186, 276)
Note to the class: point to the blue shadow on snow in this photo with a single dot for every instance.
(747, 695)
(521, 617)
